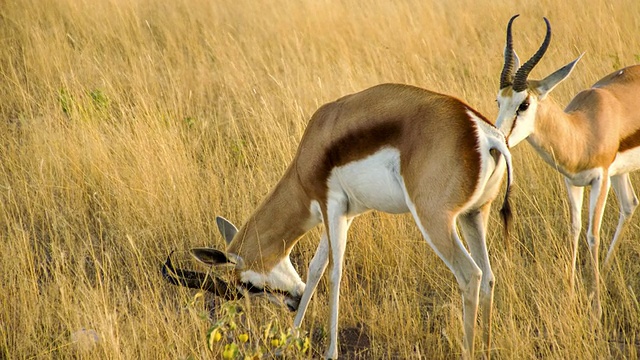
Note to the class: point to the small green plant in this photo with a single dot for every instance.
(238, 151)
(189, 121)
(66, 101)
(99, 99)
(238, 342)
(616, 62)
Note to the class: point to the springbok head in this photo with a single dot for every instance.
(519, 97)
(243, 281)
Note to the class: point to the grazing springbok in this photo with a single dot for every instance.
(594, 142)
(393, 148)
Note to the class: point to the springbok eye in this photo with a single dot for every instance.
(523, 107)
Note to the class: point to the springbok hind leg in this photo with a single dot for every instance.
(443, 238)
(473, 226)
(628, 203)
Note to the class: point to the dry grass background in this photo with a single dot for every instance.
(126, 126)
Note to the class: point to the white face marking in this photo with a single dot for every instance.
(282, 277)
(508, 113)
(371, 183)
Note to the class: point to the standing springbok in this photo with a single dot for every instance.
(594, 142)
(393, 148)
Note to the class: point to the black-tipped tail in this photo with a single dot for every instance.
(505, 211)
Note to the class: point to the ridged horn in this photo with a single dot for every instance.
(506, 77)
(198, 280)
(520, 79)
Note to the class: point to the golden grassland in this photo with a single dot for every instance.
(126, 126)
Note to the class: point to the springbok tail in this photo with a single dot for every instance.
(505, 211)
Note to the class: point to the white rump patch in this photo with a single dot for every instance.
(491, 174)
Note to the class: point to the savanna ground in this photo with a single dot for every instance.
(126, 126)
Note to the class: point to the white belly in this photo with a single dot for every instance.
(625, 162)
(584, 178)
(373, 183)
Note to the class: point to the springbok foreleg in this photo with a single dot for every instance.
(575, 194)
(473, 226)
(628, 203)
(597, 201)
(317, 267)
(337, 225)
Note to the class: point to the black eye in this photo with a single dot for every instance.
(523, 107)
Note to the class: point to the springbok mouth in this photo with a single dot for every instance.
(292, 306)
(279, 297)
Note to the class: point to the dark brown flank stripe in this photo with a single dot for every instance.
(630, 142)
(425, 115)
(355, 146)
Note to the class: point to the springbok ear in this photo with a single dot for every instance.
(211, 257)
(227, 229)
(547, 84)
(516, 62)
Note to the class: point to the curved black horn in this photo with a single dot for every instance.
(197, 280)
(520, 80)
(506, 77)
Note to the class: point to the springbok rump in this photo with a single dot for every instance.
(393, 148)
(594, 142)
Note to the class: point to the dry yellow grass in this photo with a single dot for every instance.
(126, 126)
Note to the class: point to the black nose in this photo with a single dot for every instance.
(293, 302)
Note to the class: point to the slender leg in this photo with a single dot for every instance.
(443, 238)
(628, 203)
(317, 267)
(337, 226)
(473, 226)
(575, 194)
(597, 201)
